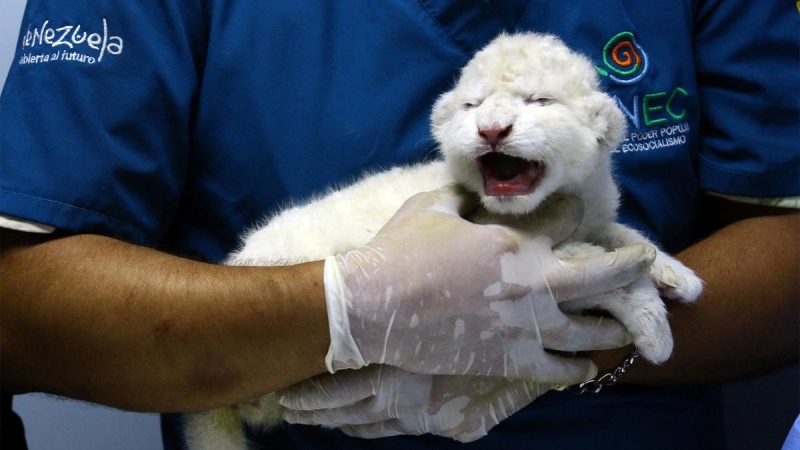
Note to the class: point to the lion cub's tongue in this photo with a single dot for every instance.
(509, 175)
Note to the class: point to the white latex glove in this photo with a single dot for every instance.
(381, 401)
(433, 293)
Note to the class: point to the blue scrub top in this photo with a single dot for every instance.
(179, 123)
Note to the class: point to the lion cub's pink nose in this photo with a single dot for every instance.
(495, 134)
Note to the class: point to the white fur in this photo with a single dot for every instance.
(548, 98)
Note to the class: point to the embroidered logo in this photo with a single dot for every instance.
(658, 118)
(625, 61)
(69, 43)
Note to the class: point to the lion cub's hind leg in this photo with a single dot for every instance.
(224, 428)
(216, 429)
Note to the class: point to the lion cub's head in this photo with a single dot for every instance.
(526, 119)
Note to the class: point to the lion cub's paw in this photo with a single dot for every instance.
(674, 280)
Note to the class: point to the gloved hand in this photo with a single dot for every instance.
(433, 293)
(380, 401)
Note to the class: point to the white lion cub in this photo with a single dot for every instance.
(525, 122)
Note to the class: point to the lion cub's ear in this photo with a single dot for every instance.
(607, 120)
(443, 109)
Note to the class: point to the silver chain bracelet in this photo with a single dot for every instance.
(607, 379)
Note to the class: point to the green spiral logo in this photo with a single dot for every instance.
(625, 60)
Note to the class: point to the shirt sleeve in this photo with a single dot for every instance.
(96, 112)
(13, 223)
(748, 59)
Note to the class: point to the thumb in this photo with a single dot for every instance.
(451, 199)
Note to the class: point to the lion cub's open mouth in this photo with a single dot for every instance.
(508, 175)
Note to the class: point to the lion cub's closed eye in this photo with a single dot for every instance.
(526, 122)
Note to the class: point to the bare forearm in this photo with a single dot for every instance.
(746, 321)
(96, 319)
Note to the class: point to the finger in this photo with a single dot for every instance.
(565, 370)
(330, 391)
(594, 275)
(450, 199)
(363, 412)
(369, 410)
(556, 219)
(386, 428)
(312, 418)
(395, 428)
(397, 393)
(584, 333)
(453, 199)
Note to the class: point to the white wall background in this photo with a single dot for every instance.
(10, 16)
(758, 413)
